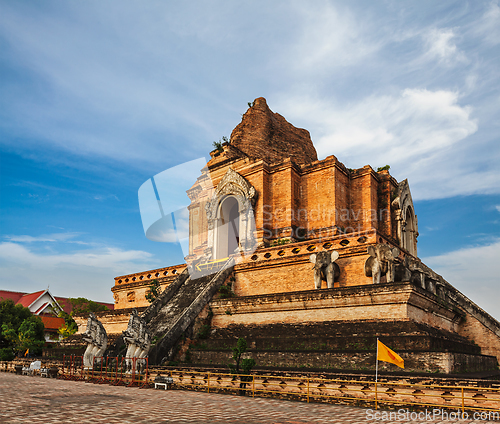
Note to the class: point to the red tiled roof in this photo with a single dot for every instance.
(15, 296)
(28, 299)
(51, 323)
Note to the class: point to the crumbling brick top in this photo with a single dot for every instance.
(263, 134)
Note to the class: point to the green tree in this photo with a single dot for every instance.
(19, 330)
(218, 146)
(83, 306)
(154, 291)
(26, 337)
(68, 328)
(245, 364)
(80, 306)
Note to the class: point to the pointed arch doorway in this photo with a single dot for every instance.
(230, 217)
(228, 228)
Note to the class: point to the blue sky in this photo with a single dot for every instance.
(98, 97)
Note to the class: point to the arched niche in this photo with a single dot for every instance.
(406, 220)
(230, 216)
(227, 227)
(409, 232)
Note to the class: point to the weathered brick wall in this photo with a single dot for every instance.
(267, 135)
(287, 267)
(130, 290)
(383, 302)
(473, 329)
(114, 321)
(278, 269)
(317, 197)
(386, 194)
(444, 362)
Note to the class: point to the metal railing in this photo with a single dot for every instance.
(107, 370)
(319, 389)
(120, 371)
(72, 368)
(135, 372)
(212, 265)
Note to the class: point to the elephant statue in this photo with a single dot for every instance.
(422, 275)
(325, 268)
(381, 262)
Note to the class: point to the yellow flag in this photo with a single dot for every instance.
(387, 355)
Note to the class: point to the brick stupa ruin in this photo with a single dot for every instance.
(358, 226)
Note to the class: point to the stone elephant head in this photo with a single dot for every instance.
(420, 274)
(325, 268)
(381, 262)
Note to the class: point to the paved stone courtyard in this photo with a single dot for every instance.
(35, 400)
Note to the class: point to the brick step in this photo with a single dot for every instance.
(426, 362)
(341, 336)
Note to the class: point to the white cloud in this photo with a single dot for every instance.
(474, 272)
(89, 273)
(57, 237)
(497, 207)
(393, 128)
(416, 131)
(106, 258)
(328, 36)
(103, 197)
(488, 26)
(441, 46)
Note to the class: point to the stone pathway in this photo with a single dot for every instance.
(35, 400)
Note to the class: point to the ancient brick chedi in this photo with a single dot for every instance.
(323, 259)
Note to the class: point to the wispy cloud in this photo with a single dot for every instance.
(106, 258)
(88, 273)
(56, 237)
(473, 271)
(441, 46)
(488, 26)
(328, 36)
(415, 131)
(103, 197)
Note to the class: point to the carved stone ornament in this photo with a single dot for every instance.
(422, 275)
(138, 340)
(233, 184)
(407, 224)
(381, 262)
(97, 341)
(325, 268)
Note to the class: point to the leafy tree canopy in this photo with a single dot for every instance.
(154, 291)
(81, 306)
(244, 364)
(19, 329)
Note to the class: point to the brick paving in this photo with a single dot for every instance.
(35, 400)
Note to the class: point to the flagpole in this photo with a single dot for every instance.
(376, 378)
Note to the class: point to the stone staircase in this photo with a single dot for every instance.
(176, 308)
